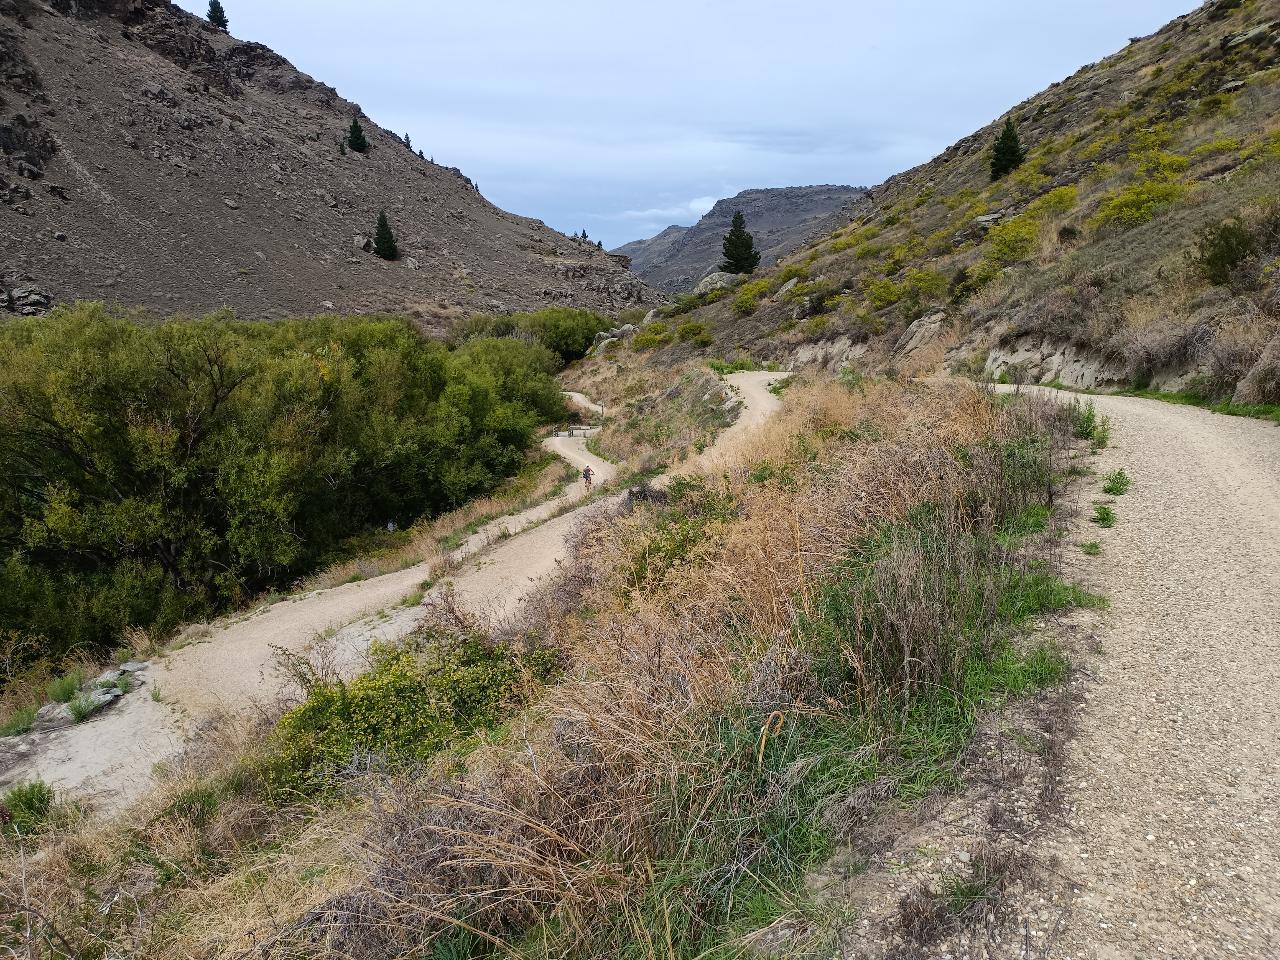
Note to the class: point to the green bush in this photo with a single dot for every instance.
(567, 332)
(1117, 484)
(1138, 203)
(916, 288)
(747, 300)
(156, 472)
(62, 689)
(656, 334)
(695, 332)
(1222, 249)
(409, 706)
(26, 808)
(1012, 242)
(1055, 203)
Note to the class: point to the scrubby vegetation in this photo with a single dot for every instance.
(565, 331)
(1131, 221)
(732, 672)
(151, 473)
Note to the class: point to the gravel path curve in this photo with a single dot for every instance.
(1169, 841)
(111, 759)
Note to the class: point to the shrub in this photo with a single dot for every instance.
(410, 705)
(695, 332)
(356, 139)
(747, 300)
(26, 808)
(1013, 241)
(566, 331)
(1139, 203)
(62, 689)
(242, 456)
(656, 334)
(81, 707)
(1055, 203)
(1103, 516)
(1222, 249)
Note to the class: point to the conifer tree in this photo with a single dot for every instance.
(355, 137)
(407, 142)
(740, 254)
(1008, 153)
(217, 16)
(384, 241)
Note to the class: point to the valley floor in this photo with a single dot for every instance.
(1168, 844)
(111, 761)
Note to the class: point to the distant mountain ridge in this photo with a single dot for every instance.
(151, 159)
(782, 219)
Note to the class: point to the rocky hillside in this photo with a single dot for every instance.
(1137, 246)
(781, 219)
(151, 159)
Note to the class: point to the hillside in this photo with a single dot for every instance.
(1135, 247)
(781, 219)
(152, 159)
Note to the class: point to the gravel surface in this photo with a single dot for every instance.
(1169, 839)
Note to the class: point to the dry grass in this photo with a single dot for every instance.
(680, 617)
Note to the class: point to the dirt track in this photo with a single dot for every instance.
(111, 759)
(1169, 844)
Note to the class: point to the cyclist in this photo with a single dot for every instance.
(588, 475)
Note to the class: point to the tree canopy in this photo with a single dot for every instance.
(355, 137)
(154, 472)
(739, 249)
(217, 15)
(384, 240)
(1008, 153)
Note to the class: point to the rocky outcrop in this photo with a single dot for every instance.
(1037, 359)
(716, 281)
(781, 220)
(150, 159)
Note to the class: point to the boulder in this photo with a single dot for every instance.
(605, 345)
(362, 242)
(107, 678)
(52, 716)
(412, 263)
(920, 332)
(715, 281)
(134, 666)
(788, 286)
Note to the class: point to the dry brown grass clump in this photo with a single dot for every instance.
(699, 647)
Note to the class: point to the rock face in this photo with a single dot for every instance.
(1035, 359)
(150, 159)
(781, 219)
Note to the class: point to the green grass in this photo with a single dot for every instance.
(64, 688)
(19, 721)
(81, 708)
(1103, 516)
(1091, 549)
(1117, 484)
(1259, 411)
(26, 809)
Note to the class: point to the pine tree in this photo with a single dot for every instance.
(740, 254)
(355, 137)
(217, 16)
(407, 142)
(1008, 154)
(384, 241)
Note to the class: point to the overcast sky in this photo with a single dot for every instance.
(622, 118)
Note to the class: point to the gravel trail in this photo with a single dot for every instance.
(1169, 839)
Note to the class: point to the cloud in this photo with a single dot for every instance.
(689, 211)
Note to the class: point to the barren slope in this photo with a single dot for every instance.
(152, 159)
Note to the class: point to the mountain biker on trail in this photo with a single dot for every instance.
(588, 475)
